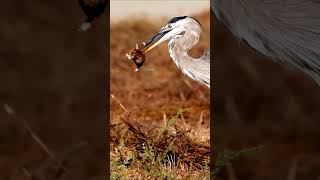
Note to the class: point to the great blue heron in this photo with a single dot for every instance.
(183, 33)
(287, 31)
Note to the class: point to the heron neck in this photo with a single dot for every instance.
(197, 69)
(181, 44)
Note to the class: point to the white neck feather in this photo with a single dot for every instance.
(197, 69)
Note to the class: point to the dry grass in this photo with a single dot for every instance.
(147, 127)
(142, 151)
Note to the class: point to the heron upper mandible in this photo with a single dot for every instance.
(287, 31)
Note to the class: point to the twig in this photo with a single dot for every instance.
(11, 112)
(200, 119)
(26, 172)
(182, 96)
(34, 136)
(125, 109)
(164, 119)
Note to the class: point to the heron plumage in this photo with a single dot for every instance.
(183, 32)
(287, 31)
(196, 68)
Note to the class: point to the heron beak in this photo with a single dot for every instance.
(155, 40)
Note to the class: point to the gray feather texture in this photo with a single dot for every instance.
(197, 69)
(285, 30)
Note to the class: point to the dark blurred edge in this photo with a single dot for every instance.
(46, 91)
(212, 95)
(107, 90)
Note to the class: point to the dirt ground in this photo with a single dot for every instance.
(52, 76)
(258, 102)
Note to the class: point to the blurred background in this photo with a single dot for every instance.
(52, 76)
(154, 10)
(258, 102)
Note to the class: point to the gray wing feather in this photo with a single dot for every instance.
(286, 30)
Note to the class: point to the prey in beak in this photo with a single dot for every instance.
(137, 55)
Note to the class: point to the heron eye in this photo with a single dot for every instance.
(169, 26)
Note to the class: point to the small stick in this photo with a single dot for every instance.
(200, 119)
(164, 119)
(26, 172)
(34, 136)
(11, 112)
(119, 103)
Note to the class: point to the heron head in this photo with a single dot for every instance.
(176, 26)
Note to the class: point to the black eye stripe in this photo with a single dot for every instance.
(175, 19)
(178, 18)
